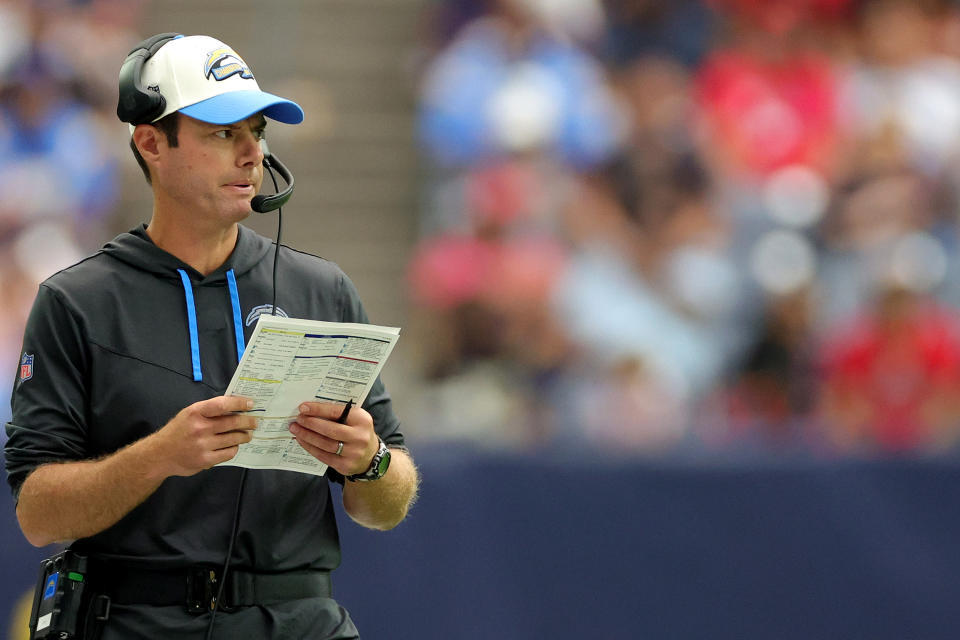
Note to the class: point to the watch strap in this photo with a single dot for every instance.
(377, 468)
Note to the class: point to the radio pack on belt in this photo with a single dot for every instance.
(61, 601)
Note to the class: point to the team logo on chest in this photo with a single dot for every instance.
(263, 309)
(26, 367)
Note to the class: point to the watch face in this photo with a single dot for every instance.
(384, 464)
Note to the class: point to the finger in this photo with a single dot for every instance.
(223, 455)
(323, 410)
(326, 457)
(222, 405)
(317, 440)
(359, 418)
(231, 439)
(325, 428)
(233, 422)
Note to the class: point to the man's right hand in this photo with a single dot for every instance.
(70, 500)
(203, 434)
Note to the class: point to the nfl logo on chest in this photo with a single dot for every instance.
(26, 367)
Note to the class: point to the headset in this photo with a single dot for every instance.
(266, 203)
(140, 105)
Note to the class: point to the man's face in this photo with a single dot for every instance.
(215, 170)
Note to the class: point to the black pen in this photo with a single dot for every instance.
(346, 412)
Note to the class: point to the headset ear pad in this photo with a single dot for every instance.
(136, 104)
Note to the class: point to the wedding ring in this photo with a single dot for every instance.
(339, 449)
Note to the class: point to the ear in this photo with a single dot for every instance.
(149, 141)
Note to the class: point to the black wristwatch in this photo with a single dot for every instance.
(378, 466)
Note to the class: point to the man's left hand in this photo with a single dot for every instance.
(319, 433)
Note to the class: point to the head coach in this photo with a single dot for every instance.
(118, 409)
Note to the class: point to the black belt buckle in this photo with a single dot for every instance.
(202, 586)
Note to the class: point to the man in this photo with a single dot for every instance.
(118, 412)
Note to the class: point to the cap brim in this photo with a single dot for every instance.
(234, 106)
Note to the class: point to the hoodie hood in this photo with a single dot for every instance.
(138, 250)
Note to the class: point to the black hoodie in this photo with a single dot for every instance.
(112, 352)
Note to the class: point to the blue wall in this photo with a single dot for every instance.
(512, 547)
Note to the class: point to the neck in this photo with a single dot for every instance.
(203, 249)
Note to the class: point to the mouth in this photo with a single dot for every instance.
(241, 186)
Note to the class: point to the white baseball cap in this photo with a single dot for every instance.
(205, 79)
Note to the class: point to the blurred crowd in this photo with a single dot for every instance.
(59, 147)
(648, 226)
(694, 226)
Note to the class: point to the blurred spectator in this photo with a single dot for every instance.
(767, 404)
(871, 216)
(610, 309)
(902, 86)
(679, 30)
(891, 379)
(491, 334)
(769, 101)
(53, 162)
(510, 84)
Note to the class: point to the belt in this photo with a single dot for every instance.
(197, 587)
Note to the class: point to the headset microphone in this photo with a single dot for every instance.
(267, 203)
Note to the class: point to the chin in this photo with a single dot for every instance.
(237, 213)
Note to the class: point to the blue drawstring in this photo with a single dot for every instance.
(192, 320)
(237, 321)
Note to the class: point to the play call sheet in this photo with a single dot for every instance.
(290, 361)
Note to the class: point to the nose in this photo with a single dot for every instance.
(250, 152)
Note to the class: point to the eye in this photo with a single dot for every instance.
(260, 134)
(223, 134)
